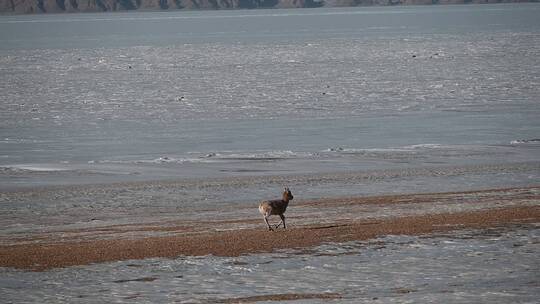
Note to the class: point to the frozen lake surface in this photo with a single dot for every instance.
(99, 98)
(110, 120)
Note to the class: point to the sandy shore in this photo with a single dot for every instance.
(44, 256)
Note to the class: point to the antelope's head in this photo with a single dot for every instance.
(287, 194)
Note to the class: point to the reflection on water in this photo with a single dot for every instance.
(497, 265)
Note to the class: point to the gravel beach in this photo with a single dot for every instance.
(242, 231)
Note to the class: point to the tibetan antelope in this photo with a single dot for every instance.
(276, 207)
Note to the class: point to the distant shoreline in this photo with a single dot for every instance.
(11, 7)
(248, 235)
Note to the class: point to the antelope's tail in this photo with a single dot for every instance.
(264, 209)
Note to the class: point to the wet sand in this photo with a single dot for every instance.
(47, 255)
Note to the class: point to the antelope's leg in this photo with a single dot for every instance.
(283, 220)
(267, 224)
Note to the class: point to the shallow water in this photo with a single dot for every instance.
(497, 265)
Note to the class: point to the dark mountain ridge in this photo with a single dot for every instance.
(72, 6)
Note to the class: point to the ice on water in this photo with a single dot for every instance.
(342, 79)
(332, 102)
